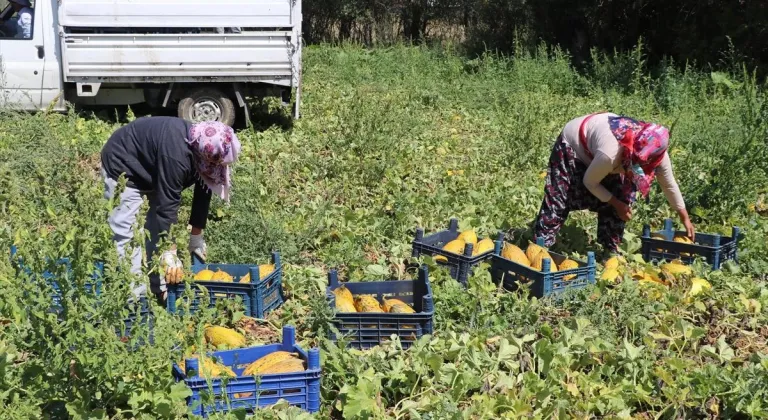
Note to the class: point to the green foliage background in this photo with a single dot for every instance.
(704, 33)
(392, 139)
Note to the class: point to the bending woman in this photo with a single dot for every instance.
(160, 157)
(598, 163)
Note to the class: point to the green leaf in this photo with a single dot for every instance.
(720, 78)
(546, 353)
(377, 271)
(696, 333)
(633, 352)
(360, 400)
(546, 331)
(507, 351)
(242, 414)
(732, 267)
(435, 361)
(163, 409)
(725, 351)
(709, 351)
(179, 391)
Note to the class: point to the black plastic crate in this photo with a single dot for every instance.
(512, 275)
(460, 266)
(716, 249)
(366, 330)
(259, 296)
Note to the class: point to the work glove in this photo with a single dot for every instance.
(173, 269)
(197, 246)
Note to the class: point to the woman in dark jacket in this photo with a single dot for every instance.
(160, 157)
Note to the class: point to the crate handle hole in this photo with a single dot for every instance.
(292, 391)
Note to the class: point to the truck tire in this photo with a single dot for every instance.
(207, 104)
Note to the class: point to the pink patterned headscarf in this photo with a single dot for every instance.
(644, 146)
(216, 147)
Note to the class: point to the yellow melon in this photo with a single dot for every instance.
(389, 303)
(482, 247)
(683, 240)
(610, 274)
(208, 367)
(515, 254)
(221, 336)
(264, 271)
(538, 261)
(455, 246)
(677, 269)
(532, 250)
(367, 303)
(614, 262)
(659, 237)
(204, 275)
(344, 300)
(222, 276)
(468, 236)
(568, 264)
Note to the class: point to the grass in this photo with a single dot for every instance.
(397, 138)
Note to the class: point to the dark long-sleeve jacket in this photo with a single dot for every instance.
(153, 154)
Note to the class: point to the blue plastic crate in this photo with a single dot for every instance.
(300, 389)
(142, 314)
(139, 313)
(460, 266)
(714, 248)
(259, 296)
(94, 287)
(542, 283)
(366, 330)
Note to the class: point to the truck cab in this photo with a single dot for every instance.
(203, 59)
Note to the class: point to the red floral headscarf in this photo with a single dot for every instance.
(643, 148)
(215, 146)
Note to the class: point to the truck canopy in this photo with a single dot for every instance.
(160, 41)
(179, 13)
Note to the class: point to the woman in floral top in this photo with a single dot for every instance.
(598, 163)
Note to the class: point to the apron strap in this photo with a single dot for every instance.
(583, 136)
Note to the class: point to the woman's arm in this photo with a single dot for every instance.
(168, 188)
(600, 167)
(673, 195)
(201, 203)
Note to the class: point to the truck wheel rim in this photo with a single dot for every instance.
(206, 109)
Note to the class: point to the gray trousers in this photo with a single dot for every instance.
(121, 221)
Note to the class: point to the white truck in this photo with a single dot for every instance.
(204, 58)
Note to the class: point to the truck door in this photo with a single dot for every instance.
(22, 61)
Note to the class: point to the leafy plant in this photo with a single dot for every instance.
(391, 139)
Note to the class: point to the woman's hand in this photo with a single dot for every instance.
(690, 231)
(622, 209)
(197, 245)
(173, 269)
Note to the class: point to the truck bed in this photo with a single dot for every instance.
(180, 13)
(176, 41)
(268, 57)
